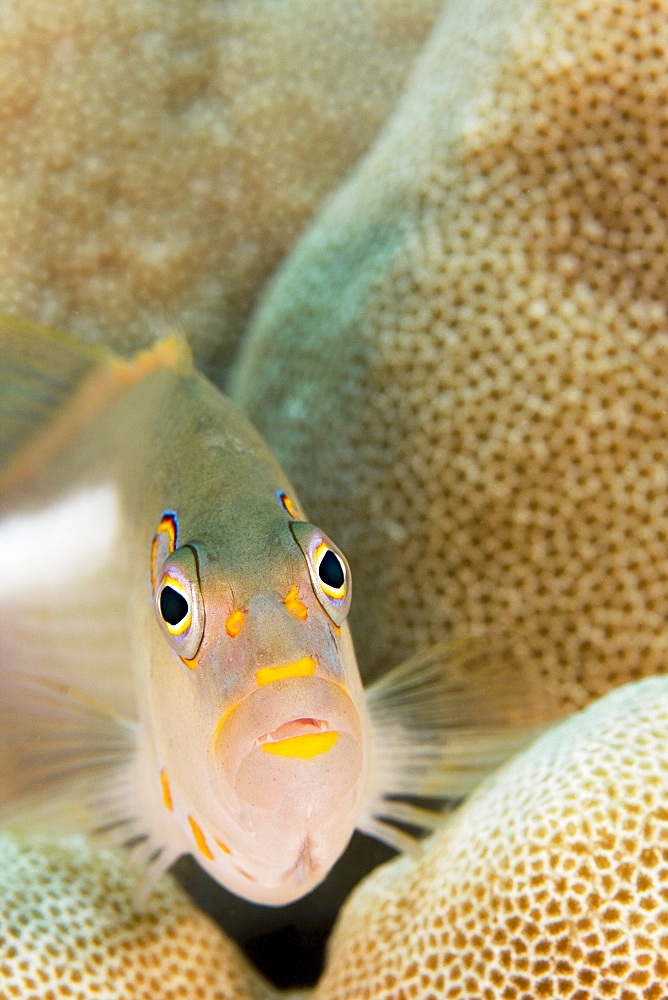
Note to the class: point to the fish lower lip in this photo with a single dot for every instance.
(297, 727)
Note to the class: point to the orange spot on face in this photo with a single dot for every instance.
(166, 793)
(191, 664)
(300, 668)
(294, 605)
(200, 839)
(223, 847)
(234, 623)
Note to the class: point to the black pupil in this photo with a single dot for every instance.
(173, 606)
(330, 570)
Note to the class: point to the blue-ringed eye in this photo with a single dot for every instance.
(331, 571)
(178, 603)
(328, 569)
(174, 606)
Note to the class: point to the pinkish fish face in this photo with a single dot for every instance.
(262, 731)
(289, 760)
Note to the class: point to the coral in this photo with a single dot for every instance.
(158, 159)
(552, 881)
(463, 363)
(67, 930)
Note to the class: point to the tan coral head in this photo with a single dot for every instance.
(289, 759)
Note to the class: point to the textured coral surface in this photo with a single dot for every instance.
(463, 364)
(156, 159)
(552, 881)
(67, 932)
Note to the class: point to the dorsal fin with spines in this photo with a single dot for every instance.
(51, 384)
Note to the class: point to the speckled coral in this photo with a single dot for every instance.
(552, 881)
(156, 160)
(68, 932)
(463, 364)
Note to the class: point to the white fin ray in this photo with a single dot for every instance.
(155, 863)
(442, 721)
(68, 764)
(390, 835)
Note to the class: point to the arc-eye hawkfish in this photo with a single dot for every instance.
(176, 670)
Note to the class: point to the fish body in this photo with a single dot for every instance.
(175, 665)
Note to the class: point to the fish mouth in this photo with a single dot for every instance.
(286, 709)
(300, 725)
(297, 727)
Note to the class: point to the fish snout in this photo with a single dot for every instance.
(298, 738)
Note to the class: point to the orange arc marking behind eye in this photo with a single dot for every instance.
(166, 792)
(294, 605)
(167, 527)
(234, 623)
(154, 550)
(200, 839)
(300, 668)
(288, 505)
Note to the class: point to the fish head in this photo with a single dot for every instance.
(259, 715)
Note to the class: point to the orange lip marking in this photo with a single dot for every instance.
(166, 793)
(223, 719)
(294, 605)
(200, 839)
(223, 847)
(234, 623)
(301, 668)
(306, 746)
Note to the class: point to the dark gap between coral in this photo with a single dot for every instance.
(287, 943)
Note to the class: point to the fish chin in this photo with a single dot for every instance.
(285, 864)
(290, 762)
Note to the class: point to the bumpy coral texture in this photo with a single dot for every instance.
(463, 365)
(552, 881)
(67, 932)
(157, 159)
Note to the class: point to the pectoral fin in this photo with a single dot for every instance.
(442, 721)
(68, 764)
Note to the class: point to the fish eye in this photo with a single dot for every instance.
(178, 602)
(328, 569)
(174, 607)
(331, 571)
